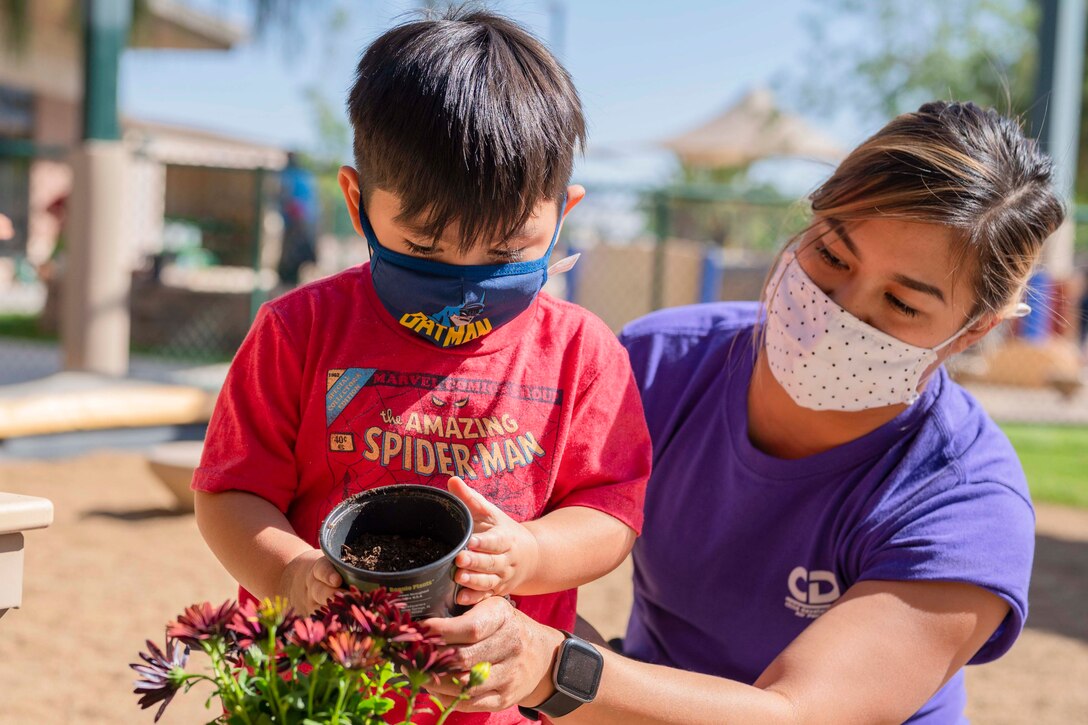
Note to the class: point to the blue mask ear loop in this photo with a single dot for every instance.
(368, 230)
(555, 236)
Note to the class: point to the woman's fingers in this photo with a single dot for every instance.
(520, 652)
(445, 700)
(479, 623)
(470, 597)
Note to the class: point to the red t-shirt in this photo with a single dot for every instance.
(329, 396)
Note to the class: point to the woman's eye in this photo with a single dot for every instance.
(900, 306)
(831, 260)
(419, 248)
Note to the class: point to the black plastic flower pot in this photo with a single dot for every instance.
(404, 510)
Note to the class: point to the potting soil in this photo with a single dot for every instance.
(392, 552)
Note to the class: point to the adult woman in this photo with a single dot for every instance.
(833, 528)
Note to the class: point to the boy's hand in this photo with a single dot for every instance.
(502, 554)
(309, 581)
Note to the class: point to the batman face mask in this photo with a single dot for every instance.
(450, 304)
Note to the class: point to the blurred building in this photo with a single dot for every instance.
(186, 173)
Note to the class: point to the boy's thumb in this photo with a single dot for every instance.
(478, 506)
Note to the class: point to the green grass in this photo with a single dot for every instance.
(1055, 459)
(23, 327)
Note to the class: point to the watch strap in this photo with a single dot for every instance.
(560, 703)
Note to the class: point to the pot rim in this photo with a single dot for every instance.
(344, 507)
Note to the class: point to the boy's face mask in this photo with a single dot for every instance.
(451, 304)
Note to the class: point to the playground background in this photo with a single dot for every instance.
(123, 300)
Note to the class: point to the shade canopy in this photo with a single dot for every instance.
(752, 129)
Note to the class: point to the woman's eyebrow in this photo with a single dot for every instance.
(919, 286)
(902, 279)
(840, 231)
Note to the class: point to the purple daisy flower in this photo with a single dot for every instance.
(162, 675)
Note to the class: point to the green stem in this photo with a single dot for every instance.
(273, 676)
(339, 702)
(328, 690)
(382, 682)
(313, 686)
(453, 706)
(226, 683)
(410, 710)
(193, 678)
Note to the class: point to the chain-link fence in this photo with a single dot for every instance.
(640, 250)
(704, 244)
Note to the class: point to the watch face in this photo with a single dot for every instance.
(579, 670)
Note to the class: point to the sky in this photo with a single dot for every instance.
(645, 70)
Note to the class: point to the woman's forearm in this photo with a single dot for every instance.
(522, 654)
(876, 656)
(251, 538)
(635, 692)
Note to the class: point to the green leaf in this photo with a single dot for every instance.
(374, 705)
(255, 656)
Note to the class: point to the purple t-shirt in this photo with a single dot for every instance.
(741, 550)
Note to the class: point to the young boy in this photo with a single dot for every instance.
(439, 362)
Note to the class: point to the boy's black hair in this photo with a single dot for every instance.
(467, 118)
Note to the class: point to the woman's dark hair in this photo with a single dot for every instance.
(962, 167)
(467, 118)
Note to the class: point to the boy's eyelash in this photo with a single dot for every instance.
(830, 258)
(418, 248)
(509, 254)
(900, 306)
(504, 254)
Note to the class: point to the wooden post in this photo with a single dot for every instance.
(97, 278)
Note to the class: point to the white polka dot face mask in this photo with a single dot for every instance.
(827, 359)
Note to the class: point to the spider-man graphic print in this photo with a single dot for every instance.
(386, 427)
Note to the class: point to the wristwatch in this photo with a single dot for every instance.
(576, 676)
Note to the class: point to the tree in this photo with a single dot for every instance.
(880, 58)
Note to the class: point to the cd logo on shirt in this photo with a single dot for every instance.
(811, 592)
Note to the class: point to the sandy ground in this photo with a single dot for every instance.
(118, 563)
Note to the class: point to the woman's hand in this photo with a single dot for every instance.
(521, 652)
